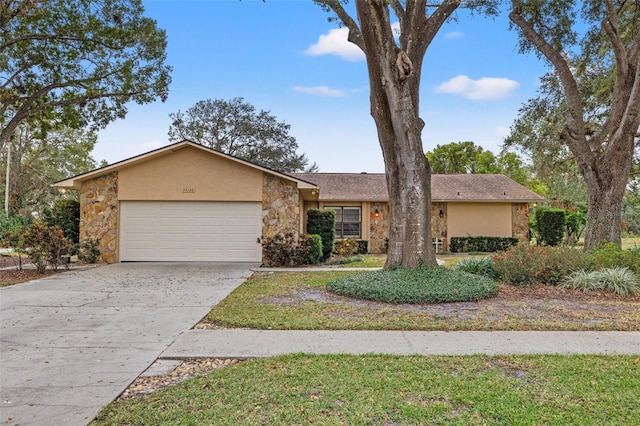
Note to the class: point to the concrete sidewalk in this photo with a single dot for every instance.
(264, 343)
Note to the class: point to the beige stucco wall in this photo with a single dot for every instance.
(479, 219)
(190, 174)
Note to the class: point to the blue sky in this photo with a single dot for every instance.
(285, 57)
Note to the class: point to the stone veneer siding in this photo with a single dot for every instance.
(379, 228)
(99, 214)
(520, 221)
(439, 225)
(280, 207)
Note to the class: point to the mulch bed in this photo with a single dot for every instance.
(15, 275)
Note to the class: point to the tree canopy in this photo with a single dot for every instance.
(37, 161)
(592, 98)
(77, 62)
(236, 128)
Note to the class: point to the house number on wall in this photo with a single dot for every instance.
(188, 190)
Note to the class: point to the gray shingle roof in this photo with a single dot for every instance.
(463, 187)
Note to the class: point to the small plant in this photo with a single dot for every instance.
(88, 250)
(482, 266)
(350, 247)
(43, 244)
(346, 260)
(621, 281)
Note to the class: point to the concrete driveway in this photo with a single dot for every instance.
(71, 343)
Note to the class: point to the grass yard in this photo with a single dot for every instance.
(300, 301)
(392, 390)
(630, 242)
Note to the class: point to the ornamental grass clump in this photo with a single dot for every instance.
(482, 266)
(420, 285)
(621, 281)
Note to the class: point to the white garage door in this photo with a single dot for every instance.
(190, 231)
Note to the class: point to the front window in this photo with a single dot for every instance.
(348, 221)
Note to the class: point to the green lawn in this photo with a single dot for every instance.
(631, 242)
(299, 301)
(392, 390)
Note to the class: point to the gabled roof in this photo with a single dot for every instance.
(75, 182)
(444, 188)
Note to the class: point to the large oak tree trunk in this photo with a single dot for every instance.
(604, 157)
(394, 81)
(606, 180)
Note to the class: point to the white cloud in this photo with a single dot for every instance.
(335, 43)
(453, 34)
(486, 88)
(323, 91)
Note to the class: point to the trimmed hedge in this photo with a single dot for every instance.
(481, 244)
(551, 226)
(420, 285)
(323, 223)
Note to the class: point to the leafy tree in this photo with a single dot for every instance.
(394, 62)
(467, 157)
(37, 161)
(77, 61)
(598, 86)
(236, 128)
(65, 214)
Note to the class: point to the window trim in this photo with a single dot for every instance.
(340, 231)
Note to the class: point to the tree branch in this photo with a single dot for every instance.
(355, 36)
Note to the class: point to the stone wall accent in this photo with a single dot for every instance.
(379, 228)
(520, 221)
(280, 206)
(439, 225)
(99, 214)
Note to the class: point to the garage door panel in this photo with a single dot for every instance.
(190, 231)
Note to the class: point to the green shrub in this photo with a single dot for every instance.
(363, 246)
(526, 265)
(621, 281)
(481, 244)
(65, 214)
(88, 251)
(611, 255)
(482, 266)
(350, 247)
(550, 224)
(12, 223)
(420, 285)
(313, 244)
(323, 223)
(289, 250)
(575, 223)
(41, 243)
